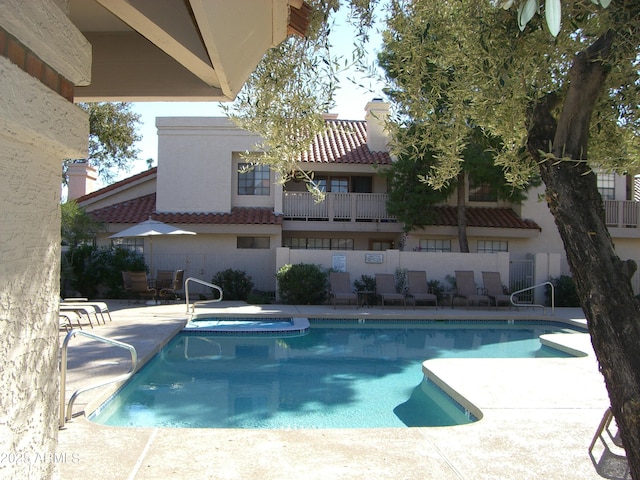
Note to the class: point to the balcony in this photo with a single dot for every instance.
(337, 207)
(621, 214)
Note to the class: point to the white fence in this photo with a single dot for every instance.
(439, 266)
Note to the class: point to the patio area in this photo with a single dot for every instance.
(540, 414)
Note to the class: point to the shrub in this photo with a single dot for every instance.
(257, 297)
(97, 271)
(235, 284)
(367, 283)
(565, 290)
(302, 284)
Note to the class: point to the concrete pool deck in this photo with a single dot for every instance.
(539, 415)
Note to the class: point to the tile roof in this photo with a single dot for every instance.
(345, 141)
(142, 208)
(116, 185)
(488, 217)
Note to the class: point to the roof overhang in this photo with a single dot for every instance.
(151, 50)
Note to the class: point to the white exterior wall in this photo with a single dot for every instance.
(38, 129)
(437, 265)
(194, 163)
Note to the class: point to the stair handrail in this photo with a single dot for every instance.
(63, 371)
(201, 282)
(544, 309)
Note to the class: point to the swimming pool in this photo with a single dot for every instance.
(342, 374)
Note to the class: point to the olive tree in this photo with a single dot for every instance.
(559, 85)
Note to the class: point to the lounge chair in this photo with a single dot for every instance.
(466, 288)
(493, 288)
(386, 289)
(66, 320)
(340, 288)
(80, 310)
(101, 307)
(140, 286)
(418, 289)
(176, 285)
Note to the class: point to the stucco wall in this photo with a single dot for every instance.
(194, 163)
(38, 129)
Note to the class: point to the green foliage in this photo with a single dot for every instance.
(77, 226)
(435, 287)
(565, 292)
(235, 284)
(458, 64)
(257, 297)
(302, 284)
(94, 271)
(400, 278)
(365, 283)
(112, 138)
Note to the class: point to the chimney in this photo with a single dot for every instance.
(376, 117)
(81, 180)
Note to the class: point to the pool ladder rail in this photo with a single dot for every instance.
(191, 307)
(544, 309)
(63, 371)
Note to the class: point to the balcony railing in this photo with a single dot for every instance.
(622, 214)
(338, 207)
(371, 207)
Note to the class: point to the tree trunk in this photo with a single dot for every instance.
(602, 279)
(462, 213)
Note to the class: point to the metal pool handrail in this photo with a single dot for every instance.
(63, 370)
(544, 309)
(201, 282)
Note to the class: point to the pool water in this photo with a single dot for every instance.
(339, 375)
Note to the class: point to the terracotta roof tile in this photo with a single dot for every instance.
(142, 208)
(488, 217)
(121, 183)
(345, 141)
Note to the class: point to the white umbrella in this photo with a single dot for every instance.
(149, 228)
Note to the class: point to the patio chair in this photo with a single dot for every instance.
(140, 286)
(164, 279)
(176, 285)
(386, 289)
(466, 288)
(493, 288)
(340, 288)
(418, 289)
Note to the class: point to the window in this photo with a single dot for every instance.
(492, 246)
(253, 179)
(304, 243)
(332, 184)
(435, 245)
(607, 185)
(380, 245)
(133, 244)
(481, 192)
(339, 184)
(253, 242)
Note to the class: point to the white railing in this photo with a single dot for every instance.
(619, 213)
(63, 371)
(352, 207)
(515, 303)
(201, 282)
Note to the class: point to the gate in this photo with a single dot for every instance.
(521, 275)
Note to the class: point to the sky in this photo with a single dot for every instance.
(350, 101)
